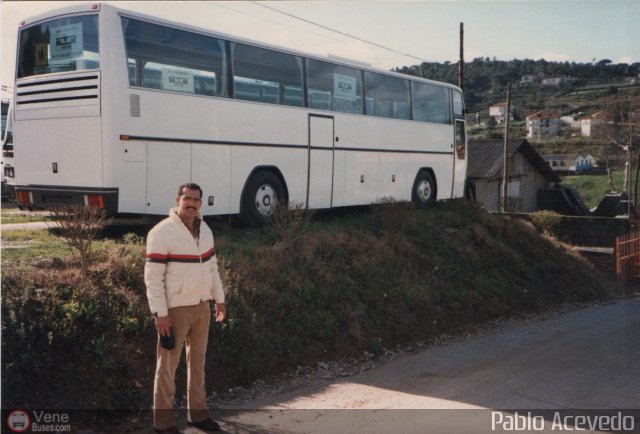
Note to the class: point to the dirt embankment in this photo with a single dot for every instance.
(337, 287)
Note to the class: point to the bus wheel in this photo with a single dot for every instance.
(424, 190)
(262, 195)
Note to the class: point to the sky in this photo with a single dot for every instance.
(556, 30)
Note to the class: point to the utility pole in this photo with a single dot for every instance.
(461, 64)
(628, 171)
(505, 166)
(635, 197)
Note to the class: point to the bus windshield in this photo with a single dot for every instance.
(63, 44)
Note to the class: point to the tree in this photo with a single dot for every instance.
(615, 131)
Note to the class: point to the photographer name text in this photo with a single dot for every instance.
(561, 422)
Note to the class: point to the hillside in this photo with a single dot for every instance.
(298, 293)
(586, 88)
(486, 80)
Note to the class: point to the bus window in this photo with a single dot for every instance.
(164, 58)
(255, 90)
(458, 105)
(319, 99)
(386, 96)
(266, 76)
(461, 141)
(5, 114)
(64, 44)
(334, 87)
(430, 103)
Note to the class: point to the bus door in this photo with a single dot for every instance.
(321, 157)
(459, 149)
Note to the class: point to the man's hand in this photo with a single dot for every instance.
(162, 325)
(221, 312)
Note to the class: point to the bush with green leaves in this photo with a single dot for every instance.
(546, 220)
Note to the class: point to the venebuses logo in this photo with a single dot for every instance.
(18, 421)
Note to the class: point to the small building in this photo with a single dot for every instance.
(499, 112)
(583, 162)
(583, 122)
(556, 81)
(528, 79)
(573, 120)
(542, 124)
(589, 123)
(566, 164)
(527, 174)
(559, 163)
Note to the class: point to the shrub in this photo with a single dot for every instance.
(78, 226)
(289, 222)
(391, 215)
(546, 220)
(72, 339)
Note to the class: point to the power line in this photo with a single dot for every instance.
(340, 32)
(253, 15)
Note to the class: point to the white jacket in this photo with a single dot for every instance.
(179, 271)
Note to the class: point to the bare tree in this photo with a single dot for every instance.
(78, 226)
(615, 128)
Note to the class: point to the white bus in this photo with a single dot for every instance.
(115, 109)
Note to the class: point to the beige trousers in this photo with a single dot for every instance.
(191, 328)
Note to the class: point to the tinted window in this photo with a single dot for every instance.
(386, 96)
(461, 140)
(164, 58)
(5, 111)
(334, 87)
(266, 76)
(431, 103)
(64, 44)
(458, 104)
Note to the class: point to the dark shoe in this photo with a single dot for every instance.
(172, 430)
(205, 425)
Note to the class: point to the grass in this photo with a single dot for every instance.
(10, 215)
(593, 188)
(20, 245)
(24, 245)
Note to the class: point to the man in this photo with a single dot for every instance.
(181, 276)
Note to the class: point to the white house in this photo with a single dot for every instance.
(563, 163)
(529, 79)
(589, 123)
(556, 81)
(542, 124)
(573, 120)
(499, 112)
(558, 162)
(583, 162)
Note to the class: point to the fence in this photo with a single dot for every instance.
(628, 257)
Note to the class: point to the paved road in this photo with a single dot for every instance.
(584, 359)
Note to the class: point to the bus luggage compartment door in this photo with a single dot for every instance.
(321, 154)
